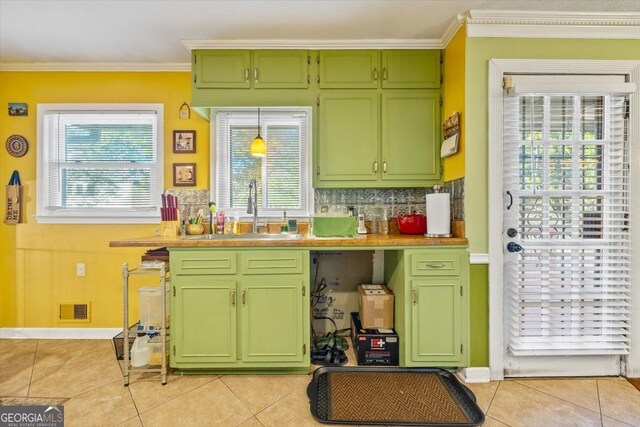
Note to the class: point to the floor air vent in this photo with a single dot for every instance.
(74, 312)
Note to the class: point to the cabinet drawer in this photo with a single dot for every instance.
(271, 262)
(437, 264)
(203, 262)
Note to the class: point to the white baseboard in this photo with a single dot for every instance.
(475, 375)
(60, 333)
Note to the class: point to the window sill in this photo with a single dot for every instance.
(48, 219)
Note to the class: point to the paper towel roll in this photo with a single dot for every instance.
(438, 213)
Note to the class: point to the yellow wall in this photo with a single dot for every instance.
(38, 261)
(454, 86)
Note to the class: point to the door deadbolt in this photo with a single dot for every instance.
(512, 232)
(514, 247)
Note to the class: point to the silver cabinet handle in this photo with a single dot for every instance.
(246, 74)
(375, 166)
(375, 74)
(233, 298)
(255, 74)
(435, 265)
(384, 166)
(415, 296)
(384, 73)
(244, 296)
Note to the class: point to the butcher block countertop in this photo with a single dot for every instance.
(367, 241)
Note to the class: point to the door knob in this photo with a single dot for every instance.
(514, 247)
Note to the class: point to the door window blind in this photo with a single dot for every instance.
(100, 164)
(282, 175)
(566, 165)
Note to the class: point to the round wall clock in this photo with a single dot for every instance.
(17, 145)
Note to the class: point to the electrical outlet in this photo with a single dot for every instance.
(80, 269)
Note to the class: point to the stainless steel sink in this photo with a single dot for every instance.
(246, 236)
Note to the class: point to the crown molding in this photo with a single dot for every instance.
(452, 30)
(572, 25)
(96, 66)
(315, 44)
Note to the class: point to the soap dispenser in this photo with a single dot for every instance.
(284, 225)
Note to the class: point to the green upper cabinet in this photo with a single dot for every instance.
(348, 69)
(355, 151)
(410, 69)
(280, 69)
(348, 131)
(243, 69)
(221, 69)
(410, 136)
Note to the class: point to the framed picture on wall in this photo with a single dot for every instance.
(184, 174)
(184, 141)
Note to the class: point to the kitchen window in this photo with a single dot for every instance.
(99, 163)
(283, 175)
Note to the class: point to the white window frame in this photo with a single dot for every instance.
(96, 215)
(497, 70)
(307, 162)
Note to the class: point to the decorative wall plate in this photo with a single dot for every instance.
(17, 145)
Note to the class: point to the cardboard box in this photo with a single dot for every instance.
(378, 347)
(376, 306)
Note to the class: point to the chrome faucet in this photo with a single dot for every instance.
(252, 203)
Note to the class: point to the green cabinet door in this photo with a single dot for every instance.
(348, 138)
(410, 69)
(221, 69)
(411, 136)
(280, 69)
(436, 321)
(203, 316)
(272, 319)
(348, 69)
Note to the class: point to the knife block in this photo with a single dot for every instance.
(169, 228)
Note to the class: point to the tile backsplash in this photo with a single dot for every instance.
(399, 201)
(190, 202)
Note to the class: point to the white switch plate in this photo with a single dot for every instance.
(80, 269)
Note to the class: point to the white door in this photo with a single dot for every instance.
(566, 228)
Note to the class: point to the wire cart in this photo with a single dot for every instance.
(161, 269)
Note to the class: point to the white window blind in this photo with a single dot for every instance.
(282, 175)
(566, 166)
(99, 163)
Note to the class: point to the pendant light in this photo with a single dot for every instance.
(258, 146)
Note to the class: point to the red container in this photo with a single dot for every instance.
(412, 224)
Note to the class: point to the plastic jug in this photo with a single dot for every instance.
(140, 352)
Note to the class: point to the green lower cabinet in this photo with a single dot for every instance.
(253, 317)
(431, 288)
(436, 324)
(271, 319)
(204, 320)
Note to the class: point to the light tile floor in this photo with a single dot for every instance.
(84, 376)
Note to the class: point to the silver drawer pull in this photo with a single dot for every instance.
(415, 296)
(246, 74)
(233, 298)
(435, 265)
(244, 296)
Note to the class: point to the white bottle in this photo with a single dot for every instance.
(140, 352)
